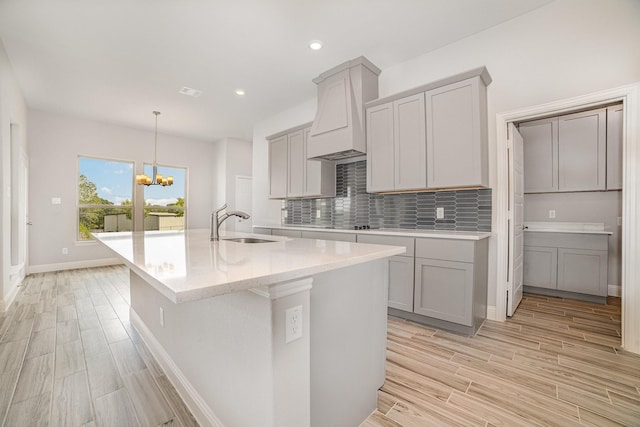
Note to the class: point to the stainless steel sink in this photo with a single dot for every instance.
(247, 240)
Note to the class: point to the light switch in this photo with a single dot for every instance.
(552, 213)
(56, 200)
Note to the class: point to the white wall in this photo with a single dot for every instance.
(565, 49)
(13, 110)
(233, 158)
(56, 141)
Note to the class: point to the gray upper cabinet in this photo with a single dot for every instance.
(430, 137)
(291, 175)
(278, 165)
(614, 147)
(457, 135)
(396, 145)
(582, 151)
(574, 152)
(540, 155)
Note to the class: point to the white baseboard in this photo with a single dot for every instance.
(45, 268)
(614, 291)
(491, 312)
(196, 404)
(6, 302)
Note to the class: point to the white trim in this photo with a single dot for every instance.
(491, 312)
(614, 290)
(630, 96)
(196, 404)
(6, 302)
(45, 268)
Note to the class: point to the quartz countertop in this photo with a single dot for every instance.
(187, 266)
(567, 227)
(437, 234)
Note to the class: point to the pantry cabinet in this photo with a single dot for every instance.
(430, 137)
(540, 144)
(291, 175)
(614, 147)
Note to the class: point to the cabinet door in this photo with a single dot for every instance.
(540, 267)
(380, 152)
(320, 175)
(410, 145)
(297, 162)
(456, 156)
(540, 142)
(583, 271)
(614, 147)
(401, 283)
(278, 165)
(582, 151)
(444, 290)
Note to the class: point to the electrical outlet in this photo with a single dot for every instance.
(65, 251)
(552, 213)
(56, 201)
(293, 324)
(162, 317)
(439, 213)
(318, 213)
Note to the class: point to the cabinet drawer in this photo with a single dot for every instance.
(327, 235)
(596, 242)
(407, 242)
(445, 249)
(260, 230)
(286, 233)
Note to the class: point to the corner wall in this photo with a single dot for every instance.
(13, 110)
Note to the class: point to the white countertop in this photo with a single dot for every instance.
(567, 227)
(437, 234)
(187, 266)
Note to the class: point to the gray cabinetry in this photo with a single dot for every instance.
(396, 145)
(430, 137)
(291, 175)
(457, 135)
(286, 233)
(278, 164)
(582, 151)
(566, 262)
(614, 147)
(401, 270)
(327, 235)
(569, 153)
(540, 155)
(540, 267)
(261, 230)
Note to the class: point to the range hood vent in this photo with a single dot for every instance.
(338, 129)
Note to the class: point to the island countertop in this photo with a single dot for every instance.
(186, 266)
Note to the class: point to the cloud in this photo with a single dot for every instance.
(119, 199)
(106, 190)
(118, 172)
(161, 202)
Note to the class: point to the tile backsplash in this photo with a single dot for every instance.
(464, 210)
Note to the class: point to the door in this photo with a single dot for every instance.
(278, 168)
(540, 155)
(380, 155)
(516, 219)
(19, 208)
(410, 144)
(297, 161)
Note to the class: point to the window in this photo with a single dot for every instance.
(164, 207)
(105, 196)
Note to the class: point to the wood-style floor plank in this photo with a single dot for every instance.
(71, 404)
(115, 409)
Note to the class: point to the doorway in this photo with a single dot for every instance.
(19, 208)
(630, 97)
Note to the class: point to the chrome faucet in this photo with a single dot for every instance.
(217, 220)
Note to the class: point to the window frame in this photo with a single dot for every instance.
(79, 206)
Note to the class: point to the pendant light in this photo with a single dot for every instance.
(156, 178)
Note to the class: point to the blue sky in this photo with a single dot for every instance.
(114, 181)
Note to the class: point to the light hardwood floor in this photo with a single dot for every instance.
(556, 362)
(69, 357)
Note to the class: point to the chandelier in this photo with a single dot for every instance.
(156, 178)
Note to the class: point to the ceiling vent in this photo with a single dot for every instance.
(190, 92)
(338, 128)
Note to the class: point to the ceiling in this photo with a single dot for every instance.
(117, 60)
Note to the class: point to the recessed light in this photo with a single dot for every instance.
(239, 92)
(190, 92)
(315, 44)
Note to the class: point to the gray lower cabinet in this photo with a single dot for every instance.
(540, 267)
(566, 262)
(286, 233)
(328, 235)
(261, 230)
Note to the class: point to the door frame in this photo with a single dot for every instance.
(630, 97)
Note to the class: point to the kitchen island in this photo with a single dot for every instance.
(289, 332)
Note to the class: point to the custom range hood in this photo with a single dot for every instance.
(338, 130)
